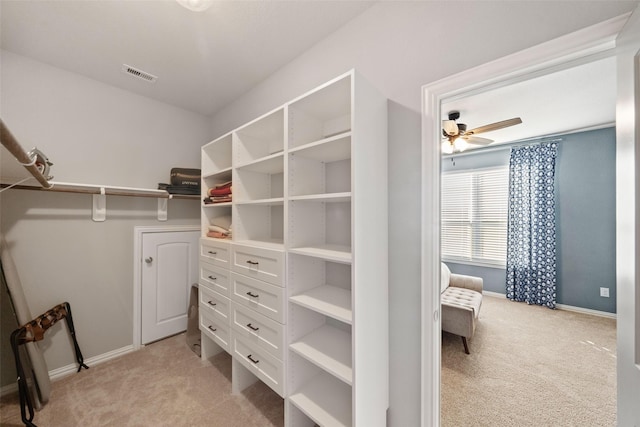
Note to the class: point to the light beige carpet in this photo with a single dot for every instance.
(163, 384)
(530, 366)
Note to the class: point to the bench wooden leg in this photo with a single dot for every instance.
(466, 347)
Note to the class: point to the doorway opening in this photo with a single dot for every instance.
(591, 44)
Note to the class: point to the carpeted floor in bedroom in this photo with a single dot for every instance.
(530, 366)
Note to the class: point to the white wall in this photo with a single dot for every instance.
(400, 46)
(93, 133)
(98, 134)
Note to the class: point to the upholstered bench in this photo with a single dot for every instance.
(460, 300)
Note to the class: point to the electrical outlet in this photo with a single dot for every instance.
(604, 292)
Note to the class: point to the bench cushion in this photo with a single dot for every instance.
(460, 309)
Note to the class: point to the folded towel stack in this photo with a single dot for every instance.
(221, 193)
(220, 228)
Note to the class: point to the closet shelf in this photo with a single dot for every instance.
(328, 300)
(324, 197)
(100, 193)
(328, 348)
(267, 243)
(271, 164)
(325, 400)
(29, 163)
(223, 175)
(337, 253)
(276, 201)
(332, 149)
(216, 205)
(64, 187)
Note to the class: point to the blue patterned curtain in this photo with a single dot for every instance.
(531, 236)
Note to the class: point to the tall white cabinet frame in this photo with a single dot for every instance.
(310, 208)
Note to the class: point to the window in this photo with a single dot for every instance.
(474, 216)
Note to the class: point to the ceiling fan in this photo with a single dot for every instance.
(458, 137)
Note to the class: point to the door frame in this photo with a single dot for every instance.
(138, 233)
(583, 46)
(627, 221)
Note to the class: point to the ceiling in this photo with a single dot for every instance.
(565, 101)
(203, 60)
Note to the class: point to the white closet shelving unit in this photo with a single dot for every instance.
(216, 169)
(310, 210)
(337, 370)
(258, 182)
(215, 254)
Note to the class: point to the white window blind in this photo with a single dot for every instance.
(474, 216)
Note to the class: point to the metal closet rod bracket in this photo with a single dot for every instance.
(35, 162)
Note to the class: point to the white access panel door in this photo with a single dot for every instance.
(628, 221)
(169, 268)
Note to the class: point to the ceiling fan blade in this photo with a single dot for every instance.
(476, 140)
(450, 127)
(495, 126)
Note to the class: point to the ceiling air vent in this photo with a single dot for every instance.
(132, 71)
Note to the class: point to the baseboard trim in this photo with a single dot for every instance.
(587, 311)
(62, 372)
(58, 373)
(493, 294)
(564, 307)
(8, 389)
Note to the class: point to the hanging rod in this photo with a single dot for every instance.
(100, 193)
(64, 187)
(11, 144)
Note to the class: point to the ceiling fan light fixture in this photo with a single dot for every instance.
(458, 138)
(196, 5)
(460, 144)
(447, 147)
(450, 127)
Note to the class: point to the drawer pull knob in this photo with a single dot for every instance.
(212, 252)
(252, 262)
(252, 295)
(252, 359)
(253, 328)
(211, 303)
(213, 278)
(212, 328)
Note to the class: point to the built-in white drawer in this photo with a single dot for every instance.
(265, 298)
(215, 278)
(258, 329)
(258, 263)
(266, 367)
(215, 329)
(214, 304)
(216, 252)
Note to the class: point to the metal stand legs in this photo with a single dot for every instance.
(32, 332)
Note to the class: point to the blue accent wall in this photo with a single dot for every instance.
(585, 221)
